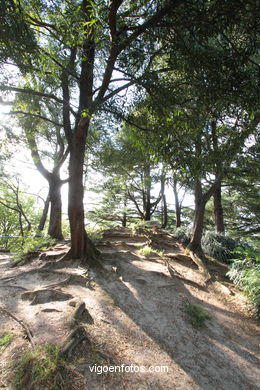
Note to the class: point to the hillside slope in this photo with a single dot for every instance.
(135, 315)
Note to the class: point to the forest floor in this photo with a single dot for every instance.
(134, 317)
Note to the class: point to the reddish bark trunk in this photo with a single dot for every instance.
(81, 246)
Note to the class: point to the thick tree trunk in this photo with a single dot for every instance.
(81, 246)
(147, 211)
(55, 226)
(177, 204)
(218, 211)
(44, 214)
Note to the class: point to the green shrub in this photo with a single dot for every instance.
(245, 273)
(136, 226)
(94, 234)
(196, 315)
(183, 234)
(24, 246)
(218, 246)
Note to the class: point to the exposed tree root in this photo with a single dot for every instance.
(74, 338)
(45, 295)
(25, 327)
(81, 313)
(12, 286)
(170, 268)
(199, 259)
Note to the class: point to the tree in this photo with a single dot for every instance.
(91, 35)
(96, 36)
(131, 175)
(42, 130)
(17, 211)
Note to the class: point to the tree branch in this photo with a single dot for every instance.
(34, 115)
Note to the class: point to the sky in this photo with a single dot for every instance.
(21, 164)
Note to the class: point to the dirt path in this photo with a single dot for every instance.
(136, 317)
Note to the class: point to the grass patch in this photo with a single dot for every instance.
(28, 247)
(5, 339)
(43, 369)
(148, 251)
(138, 244)
(196, 315)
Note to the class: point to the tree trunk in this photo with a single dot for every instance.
(55, 227)
(147, 211)
(164, 212)
(218, 211)
(194, 246)
(44, 214)
(177, 204)
(124, 213)
(81, 246)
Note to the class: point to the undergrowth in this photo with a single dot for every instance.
(183, 235)
(29, 245)
(5, 339)
(147, 251)
(218, 246)
(94, 234)
(245, 273)
(43, 369)
(196, 315)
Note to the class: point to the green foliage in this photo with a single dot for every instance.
(65, 229)
(40, 368)
(28, 245)
(18, 212)
(17, 40)
(148, 251)
(196, 315)
(218, 246)
(94, 234)
(183, 234)
(136, 226)
(5, 339)
(245, 273)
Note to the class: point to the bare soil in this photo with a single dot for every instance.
(134, 317)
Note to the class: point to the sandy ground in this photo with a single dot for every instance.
(137, 318)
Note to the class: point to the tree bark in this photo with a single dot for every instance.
(44, 214)
(124, 219)
(218, 211)
(194, 246)
(81, 246)
(164, 212)
(164, 203)
(177, 204)
(55, 225)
